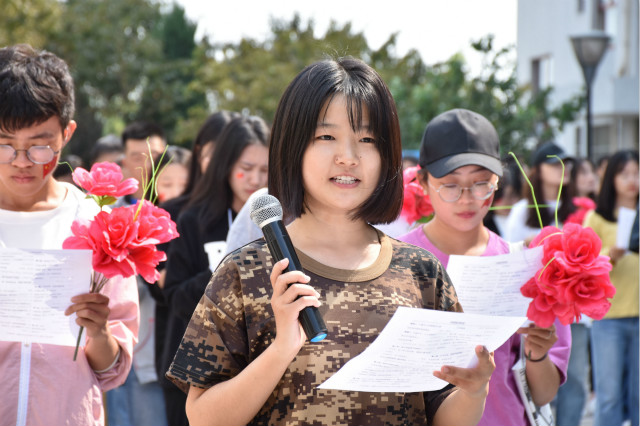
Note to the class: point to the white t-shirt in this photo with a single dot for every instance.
(45, 229)
(516, 228)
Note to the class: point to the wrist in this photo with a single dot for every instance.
(542, 358)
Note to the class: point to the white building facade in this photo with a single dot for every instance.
(546, 58)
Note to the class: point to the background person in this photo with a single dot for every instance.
(546, 176)
(237, 169)
(614, 339)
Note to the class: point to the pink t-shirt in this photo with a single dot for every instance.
(503, 406)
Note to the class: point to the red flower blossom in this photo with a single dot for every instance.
(584, 204)
(574, 279)
(104, 179)
(416, 204)
(156, 226)
(123, 241)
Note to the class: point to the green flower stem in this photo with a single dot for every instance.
(545, 267)
(510, 207)
(530, 186)
(559, 189)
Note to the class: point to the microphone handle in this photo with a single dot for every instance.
(280, 247)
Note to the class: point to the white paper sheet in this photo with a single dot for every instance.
(35, 289)
(417, 342)
(490, 285)
(626, 217)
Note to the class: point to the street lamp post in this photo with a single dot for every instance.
(589, 49)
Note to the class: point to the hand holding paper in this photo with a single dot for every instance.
(414, 344)
(475, 380)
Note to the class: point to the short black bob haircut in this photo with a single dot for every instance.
(294, 125)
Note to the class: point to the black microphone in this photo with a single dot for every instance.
(266, 212)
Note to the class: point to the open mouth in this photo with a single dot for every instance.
(345, 180)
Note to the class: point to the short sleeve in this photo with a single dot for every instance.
(214, 347)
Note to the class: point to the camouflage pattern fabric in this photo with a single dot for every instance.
(233, 324)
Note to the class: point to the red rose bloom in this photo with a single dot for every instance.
(574, 279)
(104, 179)
(108, 236)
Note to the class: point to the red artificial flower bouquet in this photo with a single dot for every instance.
(416, 206)
(124, 239)
(574, 279)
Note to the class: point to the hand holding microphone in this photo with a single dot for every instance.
(266, 212)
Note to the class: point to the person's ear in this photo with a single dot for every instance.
(68, 132)
(422, 177)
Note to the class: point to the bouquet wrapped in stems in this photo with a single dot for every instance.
(123, 240)
(574, 279)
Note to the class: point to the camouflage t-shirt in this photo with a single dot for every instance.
(234, 323)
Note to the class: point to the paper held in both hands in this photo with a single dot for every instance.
(417, 342)
(36, 287)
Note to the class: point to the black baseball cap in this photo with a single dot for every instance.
(457, 138)
(540, 155)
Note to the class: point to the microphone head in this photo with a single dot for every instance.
(265, 209)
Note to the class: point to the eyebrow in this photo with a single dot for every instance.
(42, 135)
(325, 125)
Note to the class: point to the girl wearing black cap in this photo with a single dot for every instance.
(546, 176)
(460, 168)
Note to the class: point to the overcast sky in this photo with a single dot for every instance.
(437, 29)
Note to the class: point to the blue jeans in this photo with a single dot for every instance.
(572, 394)
(614, 346)
(135, 404)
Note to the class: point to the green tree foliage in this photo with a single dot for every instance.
(250, 76)
(28, 21)
(519, 116)
(109, 48)
(137, 59)
(168, 95)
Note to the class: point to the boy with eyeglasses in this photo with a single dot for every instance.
(41, 383)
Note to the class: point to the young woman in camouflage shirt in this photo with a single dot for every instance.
(335, 165)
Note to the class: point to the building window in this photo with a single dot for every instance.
(581, 6)
(599, 9)
(541, 73)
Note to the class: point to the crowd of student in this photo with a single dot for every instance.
(217, 339)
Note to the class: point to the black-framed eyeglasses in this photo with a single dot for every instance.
(451, 192)
(36, 154)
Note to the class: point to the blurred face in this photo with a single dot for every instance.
(136, 162)
(551, 173)
(467, 213)
(23, 182)
(172, 181)
(626, 182)
(205, 156)
(586, 180)
(248, 174)
(340, 167)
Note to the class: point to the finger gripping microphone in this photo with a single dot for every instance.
(266, 212)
